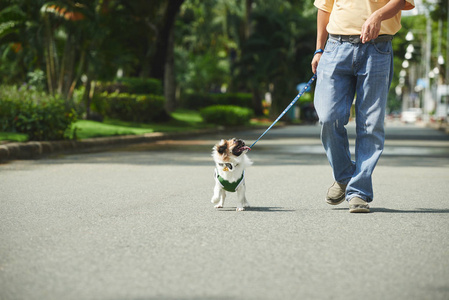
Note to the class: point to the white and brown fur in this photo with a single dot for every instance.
(230, 161)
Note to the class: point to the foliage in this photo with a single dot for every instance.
(131, 85)
(40, 116)
(277, 54)
(251, 46)
(142, 85)
(416, 24)
(206, 33)
(199, 100)
(36, 80)
(227, 115)
(131, 107)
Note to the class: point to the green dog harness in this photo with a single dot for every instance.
(229, 186)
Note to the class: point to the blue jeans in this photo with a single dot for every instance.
(346, 70)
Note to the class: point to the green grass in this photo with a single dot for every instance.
(13, 137)
(182, 120)
(188, 116)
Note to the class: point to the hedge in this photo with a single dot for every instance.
(131, 85)
(131, 107)
(226, 115)
(201, 100)
(40, 116)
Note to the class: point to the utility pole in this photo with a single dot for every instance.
(446, 81)
(427, 103)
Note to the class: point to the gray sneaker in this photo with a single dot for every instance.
(357, 205)
(336, 193)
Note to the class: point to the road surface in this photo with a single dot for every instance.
(137, 223)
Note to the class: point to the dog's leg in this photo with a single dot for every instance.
(219, 196)
(216, 196)
(242, 202)
(222, 198)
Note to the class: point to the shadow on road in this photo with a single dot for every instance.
(259, 209)
(415, 211)
(400, 211)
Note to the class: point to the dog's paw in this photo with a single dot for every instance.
(240, 209)
(218, 206)
(214, 200)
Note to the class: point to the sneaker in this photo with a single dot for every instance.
(357, 205)
(336, 193)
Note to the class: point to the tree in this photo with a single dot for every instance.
(246, 46)
(166, 42)
(279, 47)
(20, 43)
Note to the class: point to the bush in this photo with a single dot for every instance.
(227, 115)
(40, 116)
(200, 100)
(130, 85)
(134, 108)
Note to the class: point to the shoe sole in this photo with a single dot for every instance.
(335, 202)
(359, 210)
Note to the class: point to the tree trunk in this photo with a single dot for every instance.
(281, 98)
(87, 96)
(255, 86)
(81, 67)
(169, 76)
(49, 56)
(160, 57)
(67, 65)
(257, 101)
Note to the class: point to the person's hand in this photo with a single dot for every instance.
(371, 28)
(315, 61)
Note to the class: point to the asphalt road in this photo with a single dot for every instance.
(137, 223)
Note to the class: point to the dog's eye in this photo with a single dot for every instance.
(222, 149)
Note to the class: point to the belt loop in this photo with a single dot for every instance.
(340, 38)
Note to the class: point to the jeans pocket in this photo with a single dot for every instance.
(331, 45)
(383, 47)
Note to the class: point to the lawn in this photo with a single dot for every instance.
(182, 120)
(13, 136)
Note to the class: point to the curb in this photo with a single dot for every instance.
(35, 150)
(444, 127)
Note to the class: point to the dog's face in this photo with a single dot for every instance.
(229, 152)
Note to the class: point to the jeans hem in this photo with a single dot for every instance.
(364, 198)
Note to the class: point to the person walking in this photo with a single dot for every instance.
(354, 56)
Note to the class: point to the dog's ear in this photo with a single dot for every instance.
(221, 148)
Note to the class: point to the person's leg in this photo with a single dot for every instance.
(375, 62)
(334, 95)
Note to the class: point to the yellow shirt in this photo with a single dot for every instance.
(348, 16)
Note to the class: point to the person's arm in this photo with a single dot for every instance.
(322, 21)
(371, 27)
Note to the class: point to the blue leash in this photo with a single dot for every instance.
(288, 107)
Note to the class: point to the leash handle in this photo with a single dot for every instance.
(288, 107)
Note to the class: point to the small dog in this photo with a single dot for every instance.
(230, 161)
